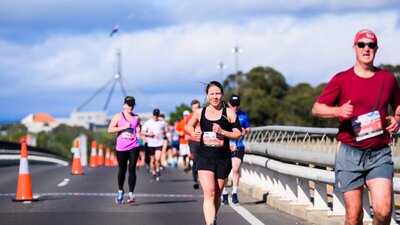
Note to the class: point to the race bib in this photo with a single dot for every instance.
(213, 139)
(232, 145)
(367, 125)
(128, 134)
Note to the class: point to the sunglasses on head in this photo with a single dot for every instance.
(371, 45)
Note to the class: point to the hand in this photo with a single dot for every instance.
(217, 128)
(196, 135)
(126, 125)
(346, 110)
(393, 124)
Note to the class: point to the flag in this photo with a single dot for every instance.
(114, 30)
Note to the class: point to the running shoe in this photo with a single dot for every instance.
(120, 197)
(235, 199)
(131, 198)
(196, 185)
(224, 200)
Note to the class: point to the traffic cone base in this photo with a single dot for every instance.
(24, 193)
(77, 167)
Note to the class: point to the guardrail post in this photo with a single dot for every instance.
(275, 181)
(320, 196)
(245, 175)
(281, 186)
(269, 179)
(303, 191)
(254, 177)
(337, 205)
(291, 188)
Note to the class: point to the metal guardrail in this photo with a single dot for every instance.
(12, 157)
(307, 145)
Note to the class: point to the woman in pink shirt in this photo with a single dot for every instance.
(127, 125)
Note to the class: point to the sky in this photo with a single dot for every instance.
(55, 55)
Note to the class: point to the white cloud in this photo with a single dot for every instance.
(166, 64)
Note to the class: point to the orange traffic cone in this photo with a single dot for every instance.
(107, 161)
(93, 155)
(100, 156)
(24, 186)
(76, 162)
(113, 159)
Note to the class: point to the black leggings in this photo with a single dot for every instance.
(123, 157)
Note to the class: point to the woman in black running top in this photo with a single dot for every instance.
(218, 124)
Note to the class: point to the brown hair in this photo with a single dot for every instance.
(215, 83)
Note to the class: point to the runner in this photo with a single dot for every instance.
(169, 145)
(165, 143)
(126, 125)
(359, 97)
(237, 148)
(175, 144)
(218, 124)
(184, 150)
(154, 130)
(193, 144)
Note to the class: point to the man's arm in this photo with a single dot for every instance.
(324, 111)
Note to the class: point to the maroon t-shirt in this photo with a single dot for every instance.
(363, 93)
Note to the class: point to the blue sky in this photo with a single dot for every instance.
(56, 54)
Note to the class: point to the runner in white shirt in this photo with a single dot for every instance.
(154, 131)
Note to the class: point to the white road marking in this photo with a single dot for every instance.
(63, 183)
(246, 215)
(109, 194)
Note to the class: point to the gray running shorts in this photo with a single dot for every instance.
(354, 166)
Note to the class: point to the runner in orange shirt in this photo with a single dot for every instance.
(184, 140)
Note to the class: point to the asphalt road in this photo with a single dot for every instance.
(89, 200)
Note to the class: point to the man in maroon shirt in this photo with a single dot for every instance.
(360, 97)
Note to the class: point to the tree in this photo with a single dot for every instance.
(178, 114)
(393, 69)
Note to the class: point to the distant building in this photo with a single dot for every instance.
(37, 122)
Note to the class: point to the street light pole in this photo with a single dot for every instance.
(236, 50)
(221, 66)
